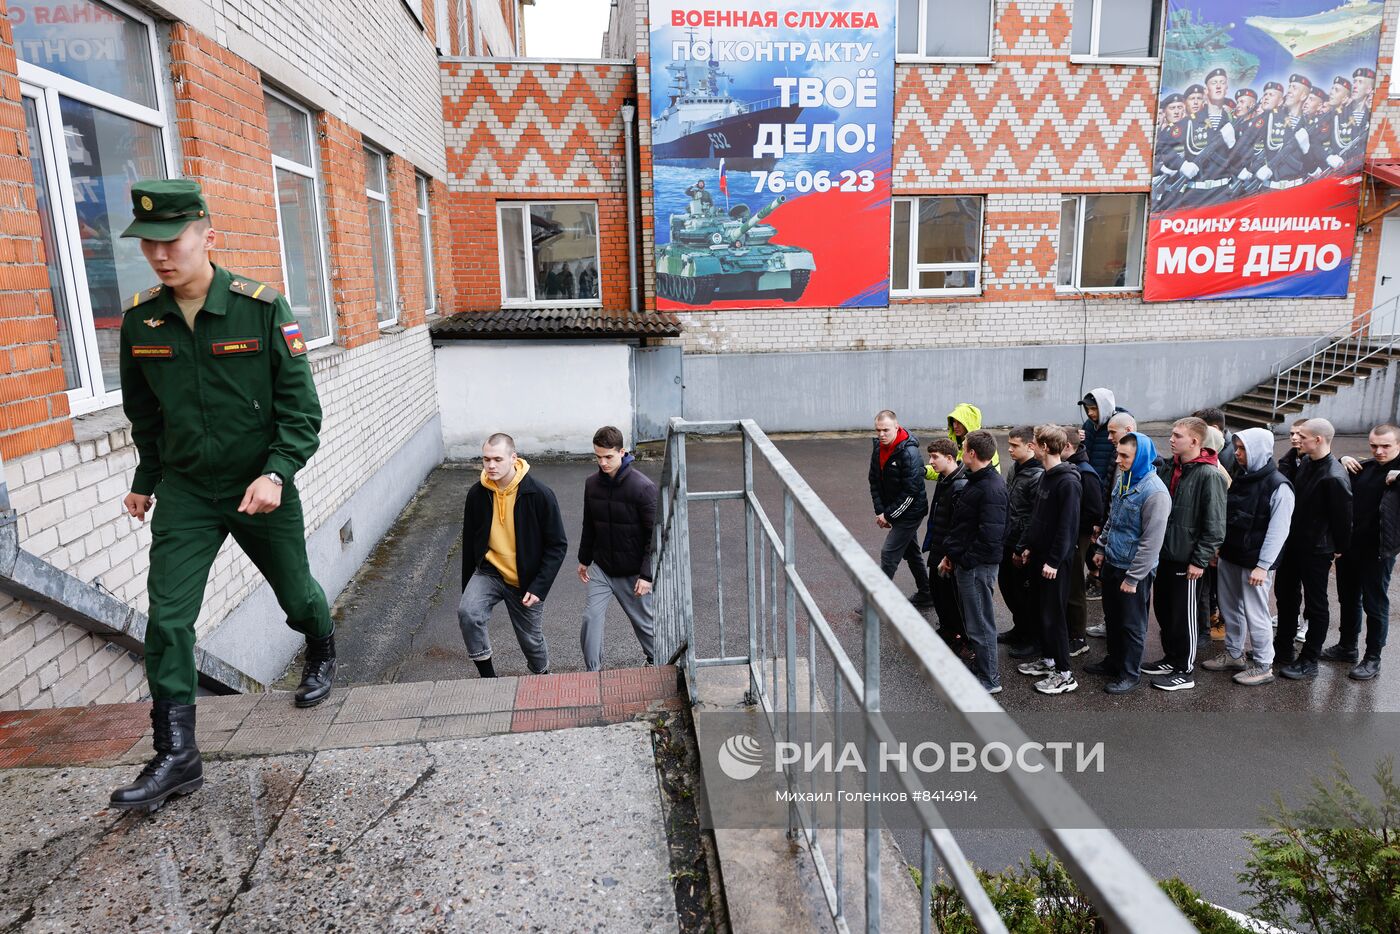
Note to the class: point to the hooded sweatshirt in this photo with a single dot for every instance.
(970, 417)
(1132, 535)
(1259, 506)
(500, 545)
(1097, 444)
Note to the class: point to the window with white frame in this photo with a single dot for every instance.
(382, 255)
(298, 189)
(95, 124)
(936, 246)
(549, 252)
(1101, 242)
(1116, 30)
(425, 241)
(945, 29)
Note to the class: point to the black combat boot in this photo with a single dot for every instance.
(175, 769)
(318, 673)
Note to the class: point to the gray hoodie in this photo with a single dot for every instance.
(1259, 452)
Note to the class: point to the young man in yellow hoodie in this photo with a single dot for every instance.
(513, 544)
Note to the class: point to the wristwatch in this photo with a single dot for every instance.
(275, 478)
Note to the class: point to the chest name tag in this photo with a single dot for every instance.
(291, 333)
(225, 348)
(152, 352)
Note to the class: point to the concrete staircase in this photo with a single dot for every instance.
(1290, 389)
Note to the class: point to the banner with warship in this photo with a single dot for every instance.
(1260, 141)
(771, 140)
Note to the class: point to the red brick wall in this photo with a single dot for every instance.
(33, 406)
(347, 222)
(445, 272)
(223, 132)
(408, 248)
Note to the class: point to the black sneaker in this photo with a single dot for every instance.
(1093, 590)
(1366, 669)
(1101, 667)
(1121, 686)
(921, 599)
(1299, 670)
(1339, 653)
(1162, 667)
(1024, 651)
(1176, 681)
(1077, 647)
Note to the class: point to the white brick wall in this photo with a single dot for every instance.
(68, 501)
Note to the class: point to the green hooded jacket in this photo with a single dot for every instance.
(970, 417)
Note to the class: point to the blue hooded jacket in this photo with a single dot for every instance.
(1137, 515)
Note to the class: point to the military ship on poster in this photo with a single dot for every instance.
(704, 122)
(1353, 21)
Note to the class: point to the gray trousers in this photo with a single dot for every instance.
(602, 588)
(975, 587)
(1244, 609)
(483, 592)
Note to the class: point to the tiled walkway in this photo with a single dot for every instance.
(369, 715)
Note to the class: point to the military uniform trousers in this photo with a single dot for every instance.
(187, 531)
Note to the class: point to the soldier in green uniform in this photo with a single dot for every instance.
(224, 413)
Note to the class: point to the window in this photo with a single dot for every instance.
(295, 181)
(1101, 239)
(425, 241)
(549, 253)
(937, 246)
(945, 29)
(1116, 30)
(440, 27)
(377, 191)
(94, 118)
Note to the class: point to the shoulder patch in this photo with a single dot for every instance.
(1176, 131)
(291, 333)
(140, 298)
(251, 289)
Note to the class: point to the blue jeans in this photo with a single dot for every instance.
(1363, 586)
(483, 592)
(975, 587)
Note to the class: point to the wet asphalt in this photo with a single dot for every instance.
(397, 622)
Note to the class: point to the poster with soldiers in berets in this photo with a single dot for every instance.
(1260, 141)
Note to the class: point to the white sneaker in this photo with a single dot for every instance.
(1037, 668)
(1302, 633)
(1098, 632)
(1060, 682)
(1225, 662)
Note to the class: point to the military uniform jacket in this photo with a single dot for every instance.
(213, 409)
(1284, 147)
(1208, 145)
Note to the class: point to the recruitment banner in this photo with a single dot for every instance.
(1261, 137)
(771, 127)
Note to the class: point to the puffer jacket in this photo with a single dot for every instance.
(940, 512)
(1020, 495)
(897, 489)
(619, 513)
(1097, 445)
(1196, 528)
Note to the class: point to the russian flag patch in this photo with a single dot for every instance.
(291, 333)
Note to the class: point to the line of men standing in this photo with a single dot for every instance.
(1217, 521)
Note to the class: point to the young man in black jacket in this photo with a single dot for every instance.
(1024, 635)
(513, 545)
(1047, 547)
(974, 546)
(1363, 572)
(1091, 516)
(1319, 534)
(900, 501)
(943, 456)
(614, 549)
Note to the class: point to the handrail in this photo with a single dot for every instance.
(1126, 896)
(1340, 352)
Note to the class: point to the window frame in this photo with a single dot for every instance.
(383, 198)
(921, 57)
(1094, 58)
(533, 302)
(423, 204)
(1076, 288)
(915, 267)
(46, 88)
(312, 172)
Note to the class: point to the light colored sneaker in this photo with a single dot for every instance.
(1302, 632)
(1061, 682)
(1098, 632)
(1254, 675)
(1035, 668)
(1225, 662)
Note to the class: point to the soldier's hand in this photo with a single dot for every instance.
(261, 496)
(138, 504)
(1190, 169)
(583, 573)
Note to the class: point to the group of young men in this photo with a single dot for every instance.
(1212, 146)
(1195, 535)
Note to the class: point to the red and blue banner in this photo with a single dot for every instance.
(771, 140)
(1262, 126)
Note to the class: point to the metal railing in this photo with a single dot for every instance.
(1339, 353)
(1124, 893)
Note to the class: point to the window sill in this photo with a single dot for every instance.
(907, 59)
(1098, 290)
(99, 423)
(937, 293)
(559, 304)
(1095, 60)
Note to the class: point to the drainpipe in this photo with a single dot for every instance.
(629, 112)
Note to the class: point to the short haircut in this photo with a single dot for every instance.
(982, 444)
(1071, 438)
(1125, 419)
(1051, 437)
(1195, 425)
(1023, 433)
(945, 446)
(1387, 429)
(501, 438)
(1212, 416)
(886, 414)
(1299, 422)
(1129, 439)
(608, 437)
(1320, 428)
